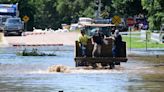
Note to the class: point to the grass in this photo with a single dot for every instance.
(141, 43)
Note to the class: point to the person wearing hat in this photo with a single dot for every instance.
(83, 40)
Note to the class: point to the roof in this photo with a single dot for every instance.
(98, 25)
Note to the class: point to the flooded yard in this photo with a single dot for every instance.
(30, 74)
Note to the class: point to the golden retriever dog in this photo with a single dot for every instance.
(59, 68)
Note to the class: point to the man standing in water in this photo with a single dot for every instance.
(97, 40)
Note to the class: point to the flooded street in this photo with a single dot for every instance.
(81, 46)
(30, 74)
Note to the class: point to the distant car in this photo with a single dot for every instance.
(142, 23)
(13, 26)
(2, 21)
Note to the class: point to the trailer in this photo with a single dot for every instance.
(7, 11)
(106, 59)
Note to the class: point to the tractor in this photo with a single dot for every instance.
(106, 60)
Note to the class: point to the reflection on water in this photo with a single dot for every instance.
(66, 82)
(147, 83)
(30, 74)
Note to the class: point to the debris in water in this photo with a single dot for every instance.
(34, 52)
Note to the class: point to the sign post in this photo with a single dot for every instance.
(146, 39)
(130, 22)
(26, 19)
(116, 20)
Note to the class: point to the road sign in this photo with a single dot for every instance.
(26, 18)
(130, 21)
(116, 20)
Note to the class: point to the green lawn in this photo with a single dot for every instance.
(140, 43)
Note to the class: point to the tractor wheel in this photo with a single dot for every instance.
(94, 66)
(112, 65)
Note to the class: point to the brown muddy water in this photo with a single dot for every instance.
(30, 74)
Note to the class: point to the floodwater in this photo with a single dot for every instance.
(30, 74)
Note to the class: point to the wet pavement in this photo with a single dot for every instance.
(30, 74)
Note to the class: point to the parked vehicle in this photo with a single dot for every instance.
(7, 11)
(141, 23)
(13, 26)
(2, 21)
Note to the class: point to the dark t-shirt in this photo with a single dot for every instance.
(98, 38)
(118, 41)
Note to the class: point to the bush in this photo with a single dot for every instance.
(156, 20)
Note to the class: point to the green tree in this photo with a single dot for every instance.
(126, 8)
(26, 9)
(52, 13)
(71, 10)
(155, 10)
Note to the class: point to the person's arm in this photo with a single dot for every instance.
(111, 37)
(79, 40)
(92, 40)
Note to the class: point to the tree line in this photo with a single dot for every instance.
(53, 13)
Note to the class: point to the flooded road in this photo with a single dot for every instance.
(30, 74)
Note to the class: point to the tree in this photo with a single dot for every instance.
(155, 10)
(26, 9)
(126, 8)
(52, 13)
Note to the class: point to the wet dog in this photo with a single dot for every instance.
(58, 68)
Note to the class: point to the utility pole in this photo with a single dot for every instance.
(17, 10)
(98, 8)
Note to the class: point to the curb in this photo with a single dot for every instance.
(33, 45)
(38, 33)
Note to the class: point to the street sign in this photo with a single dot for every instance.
(116, 20)
(130, 21)
(26, 19)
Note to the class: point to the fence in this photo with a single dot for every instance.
(141, 40)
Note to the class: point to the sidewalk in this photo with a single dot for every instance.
(144, 52)
(65, 38)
